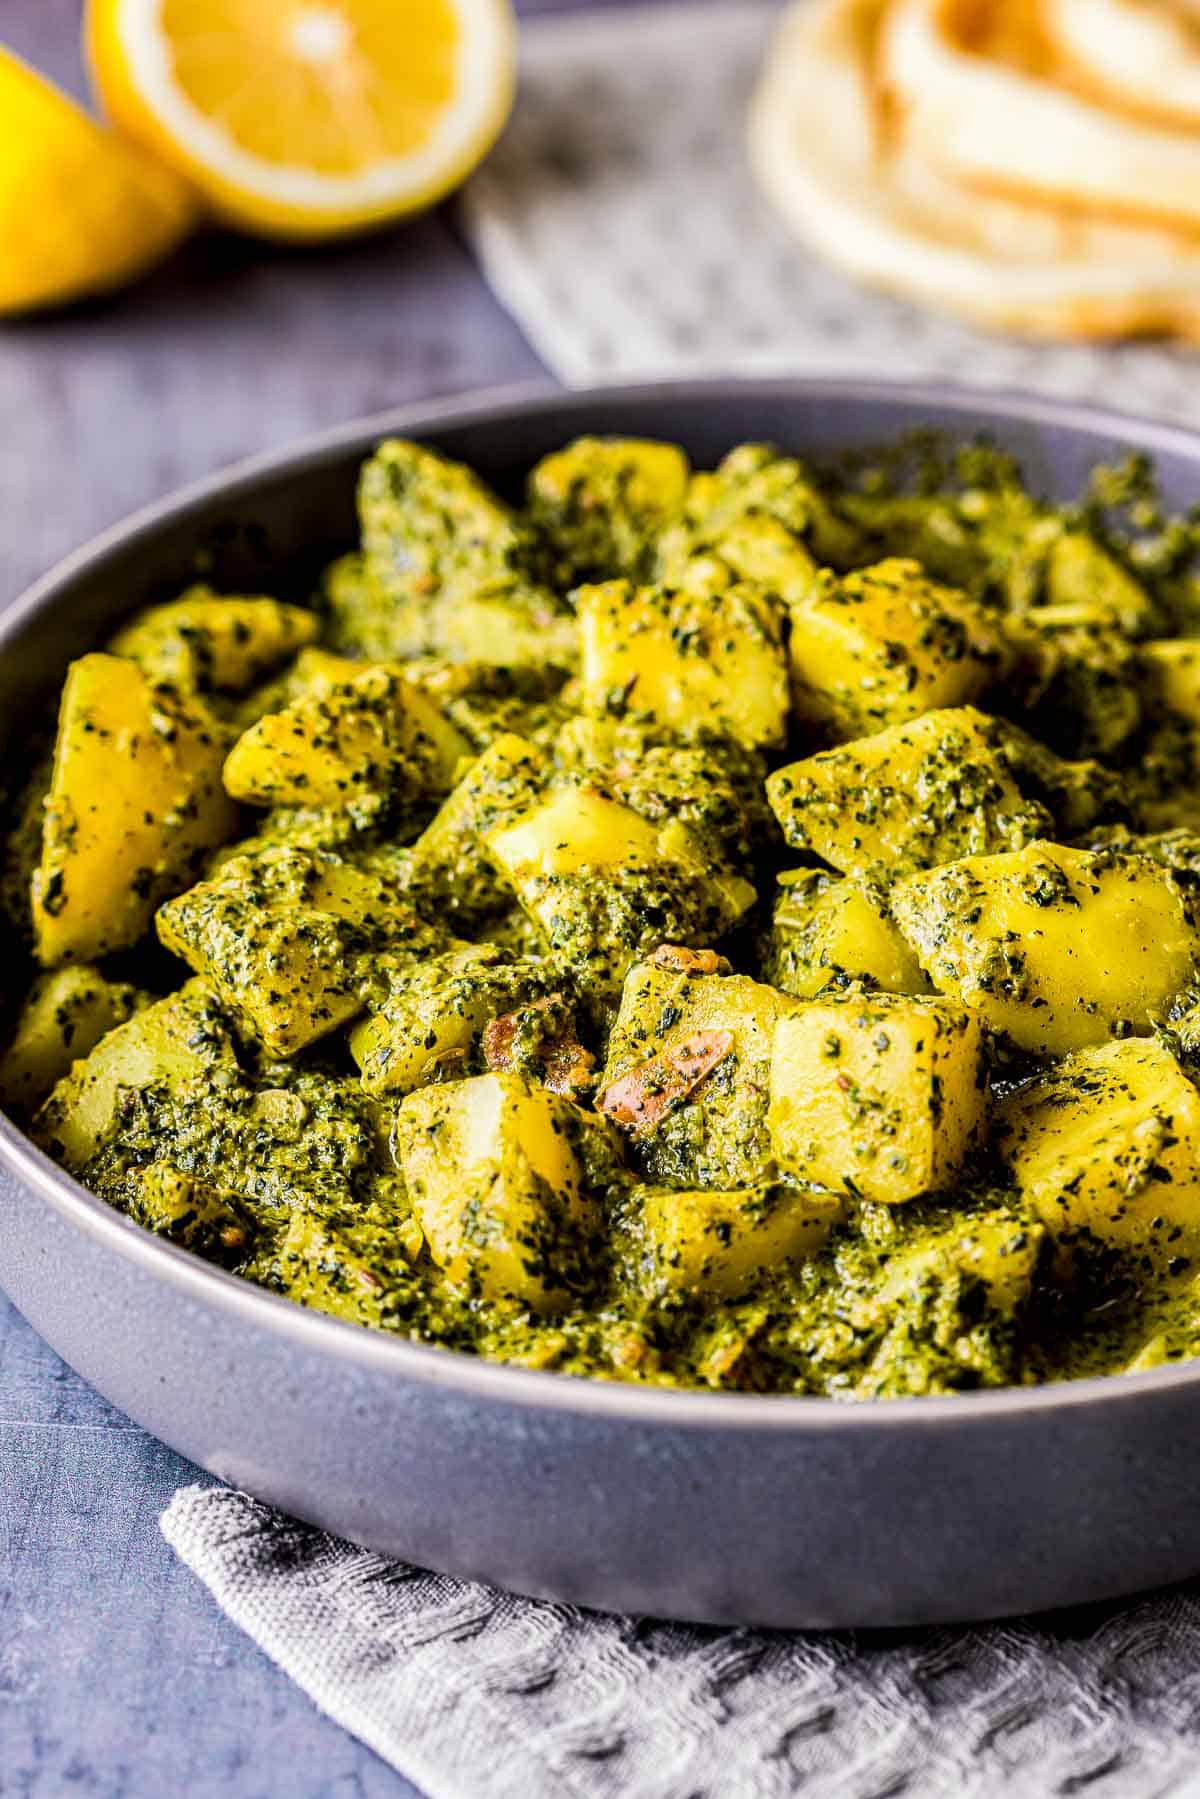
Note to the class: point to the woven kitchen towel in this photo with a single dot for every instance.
(477, 1695)
(618, 221)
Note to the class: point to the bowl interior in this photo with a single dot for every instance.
(270, 526)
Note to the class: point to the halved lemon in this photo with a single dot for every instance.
(80, 211)
(305, 119)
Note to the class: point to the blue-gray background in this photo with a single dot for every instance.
(118, 1675)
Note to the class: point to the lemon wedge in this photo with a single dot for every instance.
(80, 211)
(304, 119)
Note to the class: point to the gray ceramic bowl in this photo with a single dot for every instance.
(702, 1506)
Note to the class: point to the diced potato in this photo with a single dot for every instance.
(1080, 572)
(601, 502)
(605, 884)
(289, 939)
(691, 664)
(65, 1016)
(1059, 948)
(496, 1183)
(444, 571)
(445, 864)
(506, 623)
(996, 1250)
(180, 1044)
(1080, 680)
(1107, 1144)
(1173, 665)
(688, 1071)
(346, 1266)
(908, 797)
(432, 1014)
(1078, 794)
(210, 1220)
(878, 1095)
(885, 644)
(207, 640)
(717, 1244)
(755, 548)
(755, 482)
(135, 803)
(316, 670)
(425, 517)
(828, 932)
(345, 744)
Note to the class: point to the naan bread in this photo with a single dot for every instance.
(1142, 55)
(838, 158)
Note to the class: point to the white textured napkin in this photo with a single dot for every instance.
(618, 221)
(476, 1695)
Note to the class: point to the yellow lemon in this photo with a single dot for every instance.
(304, 119)
(80, 210)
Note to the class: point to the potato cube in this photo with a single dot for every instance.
(65, 1016)
(691, 664)
(755, 548)
(1107, 1145)
(445, 866)
(180, 1044)
(135, 803)
(496, 1182)
(605, 884)
(290, 938)
(1059, 948)
(908, 797)
(1081, 680)
(885, 644)
(997, 1251)
(445, 570)
(878, 1095)
(347, 744)
(755, 482)
(347, 1265)
(600, 503)
(716, 1243)
(828, 932)
(1173, 666)
(688, 1072)
(211, 1220)
(207, 640)
(426, 518)
(1081, 573)
(433, 1012)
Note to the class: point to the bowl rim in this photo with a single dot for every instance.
(380, 1352)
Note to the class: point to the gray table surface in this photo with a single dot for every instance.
(118, 1675)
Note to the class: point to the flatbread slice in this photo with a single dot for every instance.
(829, 154)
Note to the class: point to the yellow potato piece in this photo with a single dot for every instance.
(685, 663)
(718, 1244)
(496, 1185)
(1108, 1144)
(827, 932)
(1173, 664)
(287, 938)
(64, 1017)
(175, 1044)
(204, 639)
(885, 644)
(911, 796)
(135, 803)
(1056, 947)
(341, 744)
(877, 1095)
